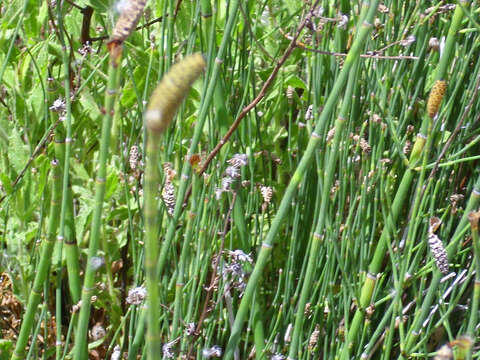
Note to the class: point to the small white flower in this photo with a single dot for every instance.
(86, 49)
(239, 160)
(58, 105)
(214, 351)
(342, 24)
(233, 172)
(226, 183)
(116, 355)
(408, 41)
(136, 295)
(240, 255)
(167, 349)
(190, 329)
(96, 262)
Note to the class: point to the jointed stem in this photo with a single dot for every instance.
(376, 263)
(304, 164)
(151, 245)
(43, 267)
(89, 281)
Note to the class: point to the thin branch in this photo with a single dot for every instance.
(368, 56)
(74, 5)
(87, 13)
(140, 27)
(253, 104)
(177, 8)
(371, 55)
(213, 278)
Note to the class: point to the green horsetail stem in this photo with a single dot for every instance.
(398, 203)
(61, 203)
(474, 217)
(317, 237)
(169, 94)
(199, 126)
(305, 162)
(165, 100)
(422, 314)
(43, 267)
(441, 73)
(65, 226)
(126, 23)
(91, 267)
(186, 170)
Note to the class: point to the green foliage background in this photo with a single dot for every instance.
(392, 83)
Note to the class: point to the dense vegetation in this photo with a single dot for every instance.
(300, 202)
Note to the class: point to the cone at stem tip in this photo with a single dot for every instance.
(435, 98)
(172, 89)
(130, 13)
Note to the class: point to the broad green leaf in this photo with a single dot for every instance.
(101, 6)
(25, 71)
(90, 105)
(111, 185)
(80, 171)
(5, 347)
(6, 183)
(73, 22)
(296, 82)
(30, 21)
(20, 108)
(18, 153)
(43, 165)
(12, 12)
(42, 13)
(37, 103)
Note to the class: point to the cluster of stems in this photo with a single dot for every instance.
(424, 136)
(160, 111)
(366, 18)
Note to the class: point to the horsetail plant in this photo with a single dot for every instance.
(202, 116)
(473, 218)
(401, 195)
(307, 290)
(66, 225)
(368, 12)
(165, 100)
(186, 170)
(61, 203)
(124, 27)
(440, 73)
(43, 267)
(317, 237)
